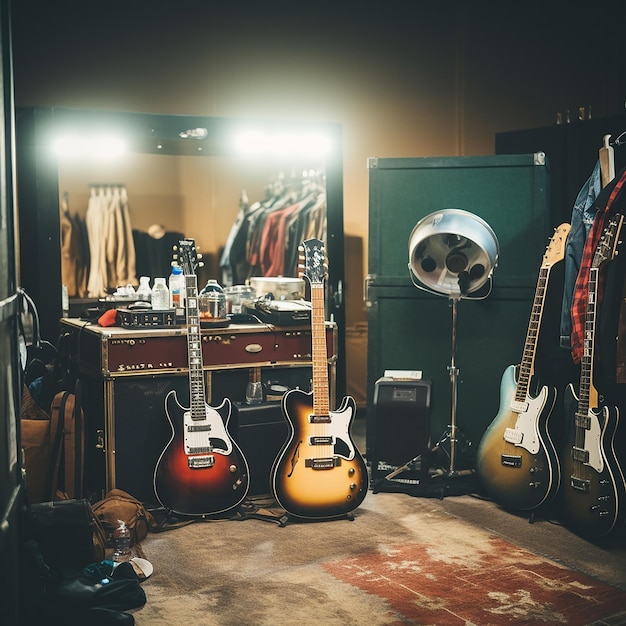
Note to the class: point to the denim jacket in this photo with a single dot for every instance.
(582, 218)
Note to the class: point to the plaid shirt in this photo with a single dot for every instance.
(581, 289)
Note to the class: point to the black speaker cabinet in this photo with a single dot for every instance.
(127, 426)
(127, 434)
(402, 423)
(262, 431)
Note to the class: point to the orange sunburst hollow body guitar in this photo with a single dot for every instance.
(319, 473)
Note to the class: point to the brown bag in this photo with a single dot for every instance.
(67, 438)
(35, 442)
(119, 505)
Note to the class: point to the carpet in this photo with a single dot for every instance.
(403, 560)
(495, 583)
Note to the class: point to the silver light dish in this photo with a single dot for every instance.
(452, 252)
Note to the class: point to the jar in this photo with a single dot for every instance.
(212, 305)
(237, 296)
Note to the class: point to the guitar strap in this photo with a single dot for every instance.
(581, 289)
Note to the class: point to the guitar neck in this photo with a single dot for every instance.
(320, 357)
(194, 349)
(587, 394)
(527, 364)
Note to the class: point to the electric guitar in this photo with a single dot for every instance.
(516, 460)
(593, 490)
(318, 473)
(201, 471)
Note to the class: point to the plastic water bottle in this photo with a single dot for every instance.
(65, 301)
(144, 293)
(160, 295)
(121, 541)
(177, 288)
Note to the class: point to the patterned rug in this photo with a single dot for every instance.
(492, 584)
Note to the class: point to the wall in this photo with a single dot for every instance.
(404, 79)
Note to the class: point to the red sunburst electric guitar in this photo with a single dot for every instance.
(201, 471)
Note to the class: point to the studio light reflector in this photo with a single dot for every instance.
(452, 252)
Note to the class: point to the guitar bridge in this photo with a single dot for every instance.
(510, 460)
(201, 462)
(323, 464)
(579, 484)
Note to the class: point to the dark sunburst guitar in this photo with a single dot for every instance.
(516, 460)
(201, 471)
(593, 491)
(319, 472)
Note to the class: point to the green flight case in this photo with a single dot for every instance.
(411, 329)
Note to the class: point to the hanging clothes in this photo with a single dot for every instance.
(120, 247)
(583, 214)
(74, 258)
(581, 288)
(111, 245)
(265, 236)
(154, 251)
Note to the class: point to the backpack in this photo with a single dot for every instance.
(67, 440)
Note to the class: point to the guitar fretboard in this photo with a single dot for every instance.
(319, 356)
(194, 349)
(586, 361)
(527, 363)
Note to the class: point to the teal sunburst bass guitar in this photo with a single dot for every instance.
(319, 472)
(516, 460)
(592, 497)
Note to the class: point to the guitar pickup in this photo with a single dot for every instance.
(579, 484)
(519, 407)
(511, 460)
(582, 421)
(328, 440)
(201, 462)
(320, 419)
(580, 454)
(512, 435)
(198, 428)
(323, 464)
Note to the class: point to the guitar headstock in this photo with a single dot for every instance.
(187, 256)
(606, 248)
(555, 251)
(313, 264)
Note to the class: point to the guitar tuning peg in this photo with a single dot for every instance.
(201, 264)
(199, 256)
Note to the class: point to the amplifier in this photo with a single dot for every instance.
(402, 424)
(261, 432)
(146, 318)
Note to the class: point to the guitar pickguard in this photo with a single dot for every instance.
(593, 445)
(525, 433)
(338, 429)
(205, 435)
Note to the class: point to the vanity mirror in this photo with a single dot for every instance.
(183, 174)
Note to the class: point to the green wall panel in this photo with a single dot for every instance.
(411, 329)
(490, 336)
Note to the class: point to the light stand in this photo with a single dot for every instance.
(453, 253)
